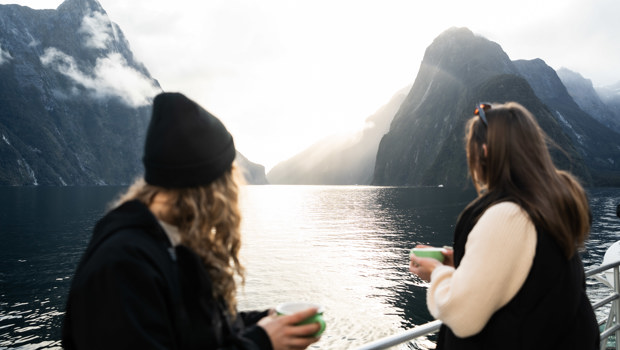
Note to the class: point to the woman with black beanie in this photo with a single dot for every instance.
(161, 269)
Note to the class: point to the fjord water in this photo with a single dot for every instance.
(345, 247)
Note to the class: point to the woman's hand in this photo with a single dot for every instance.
(448, 254)
(424, 267)
(286, 335)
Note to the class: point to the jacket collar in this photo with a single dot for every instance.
(129, 215)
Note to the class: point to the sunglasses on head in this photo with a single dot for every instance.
(480, 110)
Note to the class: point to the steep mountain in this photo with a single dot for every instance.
(69, 114)
(588, 99)
(74, 101)
(253, 173)
(596, 143)
(610, 95)
(435, 107)
(340, 159)
(424, 146)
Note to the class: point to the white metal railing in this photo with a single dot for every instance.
(612, 324)
(611, 328)
(415, 332)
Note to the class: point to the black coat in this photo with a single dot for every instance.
(133, 290)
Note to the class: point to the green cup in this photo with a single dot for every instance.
(294, 307)
(428, 252)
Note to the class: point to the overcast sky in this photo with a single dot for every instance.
(282, 74)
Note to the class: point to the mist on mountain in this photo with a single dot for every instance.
(74, 100)
(75, 103)
(424, 146)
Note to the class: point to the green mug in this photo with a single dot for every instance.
(294, 307)
(429, 252)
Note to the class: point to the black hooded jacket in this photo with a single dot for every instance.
(133, 290)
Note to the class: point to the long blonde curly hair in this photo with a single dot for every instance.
(208, 218)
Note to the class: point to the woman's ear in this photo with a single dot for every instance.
(484, 150)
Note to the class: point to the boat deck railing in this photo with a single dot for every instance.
(607, 274)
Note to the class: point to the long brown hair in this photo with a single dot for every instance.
(518, 164)
(209, 219)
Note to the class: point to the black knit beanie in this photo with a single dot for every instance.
(185, 145)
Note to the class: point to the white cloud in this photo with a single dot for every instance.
(34, 43)
(111, 77)
(4, 56)
(6, 140)
(97, 29)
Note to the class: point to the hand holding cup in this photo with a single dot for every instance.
(294, 327)
(295, 307)
(424, 260)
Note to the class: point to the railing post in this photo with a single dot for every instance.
(616, 305)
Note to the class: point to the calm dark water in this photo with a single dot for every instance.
(344, 247)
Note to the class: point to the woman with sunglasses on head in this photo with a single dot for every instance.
(162, 267)
(514, 279)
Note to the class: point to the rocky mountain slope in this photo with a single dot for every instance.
(424, 146)
(590, 100)
(585, 124)
(68, 115)
(74, 100)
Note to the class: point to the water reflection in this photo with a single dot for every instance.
(347, 248)
(43, 232)
(344, 247)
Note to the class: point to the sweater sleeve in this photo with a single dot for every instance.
(253, 331)
(252, 317)
(498, 257)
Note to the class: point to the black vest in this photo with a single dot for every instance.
(550, 311)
